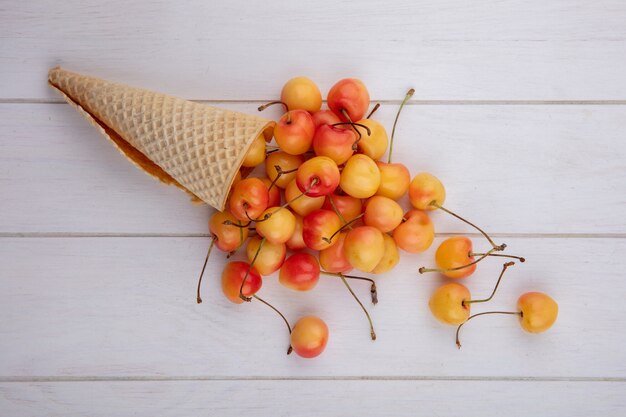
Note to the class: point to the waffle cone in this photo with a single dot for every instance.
(196, 147)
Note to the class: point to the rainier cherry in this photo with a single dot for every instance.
(334, 142)
(318, 176)
(269, 257)
(300, 272)
(360, 177)
(294, 132)
(296, 241)
(347, 207)
(248, 199)
(301, 93)
(278, 226)
(318, 226)
(416, 234)
(333, 259)
(233, 277)
(287, 167)
(373, 144)
(256, 153)
(382, 213)
(364, 247)
(309, 336)
(274, 193)
(301, 204)
(349, 99)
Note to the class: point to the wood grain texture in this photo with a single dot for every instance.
(452, 50)
(314, 398)
(511, 169)
(126, 307)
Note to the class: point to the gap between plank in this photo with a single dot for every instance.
(56, 235)
(394, 102)
(22, 379)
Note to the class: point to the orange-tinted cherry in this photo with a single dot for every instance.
(300, 272)
(317, 226)
(233, 277)
(309, 337)
(390, 258)
(248, 199)
(349, 99)
(416, 233)
(345, 206)
(334, 142)
(301, 93)
(256, 152)
(274, 199)
(287, 167)
(269, 258)
(333, 259)
(294, 132)
(319, 176)
(301, 204)
(364, 247)
(277, 226)
(382, 213)
(296, 241)
(360, 177)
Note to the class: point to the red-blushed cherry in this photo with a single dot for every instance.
(309, 337)
(256, 153)
(390, 258)
(374, 143)
(349, 99)
(334, 142)
(269, 257)
(278, 226)
(360, 177)
(248, 199)
(296, 241)
(301, 93)
(294, 132)
(333, 259)
(347, 207)
(426, 189)
(448, 303)
(300, 272)
(538, 311)
(394, 180)
(318, 226)
(301, 204)
(227, 237)
(416, 234)
(319, 176)
(382, 213)
(324, 117)
(364, 247)
(288, 165)
(233, 276)
(274, 198)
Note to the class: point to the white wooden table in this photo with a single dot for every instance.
(520, 110)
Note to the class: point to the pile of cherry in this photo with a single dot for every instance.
(341, 205)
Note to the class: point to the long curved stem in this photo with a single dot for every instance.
(409, 94)
(372, 332)
(496, 247)
(504, 268)
(424, 269)
(373, 289)
(208, 254)
(458, 329)
(373, 110)
(271, 103)
(520, 258)
(332, 203)
(290, 349)
(245, 278)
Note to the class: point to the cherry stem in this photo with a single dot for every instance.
(240, 225)
(373, 110)
(271, 151)
(245, 278)
(520, 258)
(372, 332)
(329, 239)
(279, 173)
(369, 132)
(347, 116)
(409, 94)
(373, 289)
(458, 342)
(504, 268)
(496, 247)
(290, 349)
(332, 203)
(271, 103)
(424, 269)
(198, 298)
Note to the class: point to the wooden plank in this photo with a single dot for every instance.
(313, 398)
(507, 50)
(511, 169)
(126, 307)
